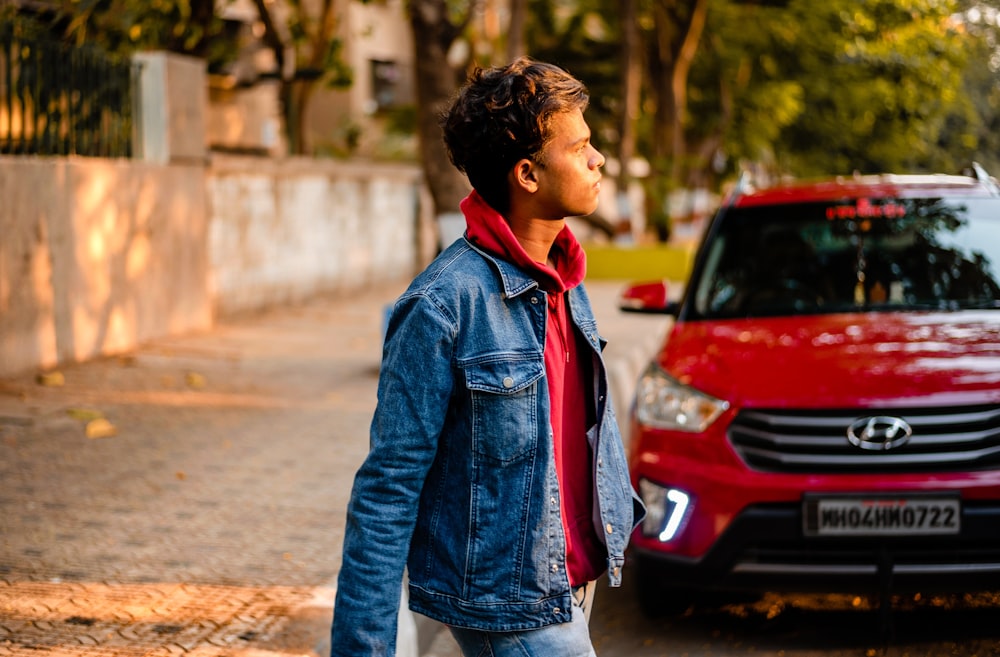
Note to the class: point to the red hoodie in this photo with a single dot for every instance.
(567, 375)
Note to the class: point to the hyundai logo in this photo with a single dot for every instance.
(880, 433)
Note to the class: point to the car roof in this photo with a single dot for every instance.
(867, 186)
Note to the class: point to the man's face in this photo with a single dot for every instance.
(568, 169)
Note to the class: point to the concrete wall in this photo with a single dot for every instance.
(284, 230)
(97, 256)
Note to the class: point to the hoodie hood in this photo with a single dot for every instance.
(489, 230)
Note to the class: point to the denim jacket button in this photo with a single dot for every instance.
(556, 610)
(508, 382)
(534, 300)
(610, 529)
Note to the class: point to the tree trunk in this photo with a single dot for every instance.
(631, 79)
(295, 92)
(516, 46)
(678, 25)
(302, 90)
(436, 83)
(679, 78)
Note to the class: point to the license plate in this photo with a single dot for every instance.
(882, 516)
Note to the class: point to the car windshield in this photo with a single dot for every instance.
(858, 255)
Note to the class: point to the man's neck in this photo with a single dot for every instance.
(536, 236)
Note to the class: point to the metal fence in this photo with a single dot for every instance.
(58, 100)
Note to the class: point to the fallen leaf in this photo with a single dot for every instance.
(100, 428)
(181, 476)
(51, 379)
(85, 414)
(195, 380)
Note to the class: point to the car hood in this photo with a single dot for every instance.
(842, 360)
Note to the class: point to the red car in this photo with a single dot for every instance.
(824, 414)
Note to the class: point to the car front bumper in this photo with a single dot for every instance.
(765, 548)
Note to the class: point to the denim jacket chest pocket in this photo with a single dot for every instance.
(505, 396)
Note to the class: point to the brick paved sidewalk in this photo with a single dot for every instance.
(204, 515)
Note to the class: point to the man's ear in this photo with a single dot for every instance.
(525, 175)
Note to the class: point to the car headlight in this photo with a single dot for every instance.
(665, 509)
(665, 403)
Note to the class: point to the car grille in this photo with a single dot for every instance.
(815, 441)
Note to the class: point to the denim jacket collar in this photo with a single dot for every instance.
(514, 280)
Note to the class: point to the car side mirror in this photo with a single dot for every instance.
(647, 297)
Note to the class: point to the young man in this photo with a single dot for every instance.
(496, 473)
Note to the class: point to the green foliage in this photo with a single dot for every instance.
(401, 120)
(836, 87)
(123, 27)
(973, 132)
(582, 37)
(20, 25)
(813, 88)
(805, 87)
(339, 75)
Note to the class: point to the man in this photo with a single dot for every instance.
(496, 473)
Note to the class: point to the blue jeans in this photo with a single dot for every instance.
(558, 640)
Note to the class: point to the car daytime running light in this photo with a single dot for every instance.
(665, 403)
(665, 510)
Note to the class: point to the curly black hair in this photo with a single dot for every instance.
(501, 116)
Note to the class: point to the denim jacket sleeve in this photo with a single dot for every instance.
(415, 384)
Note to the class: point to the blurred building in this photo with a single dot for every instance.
(377, 46)
(372, 116)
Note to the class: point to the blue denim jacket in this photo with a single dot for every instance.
(460, 481)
